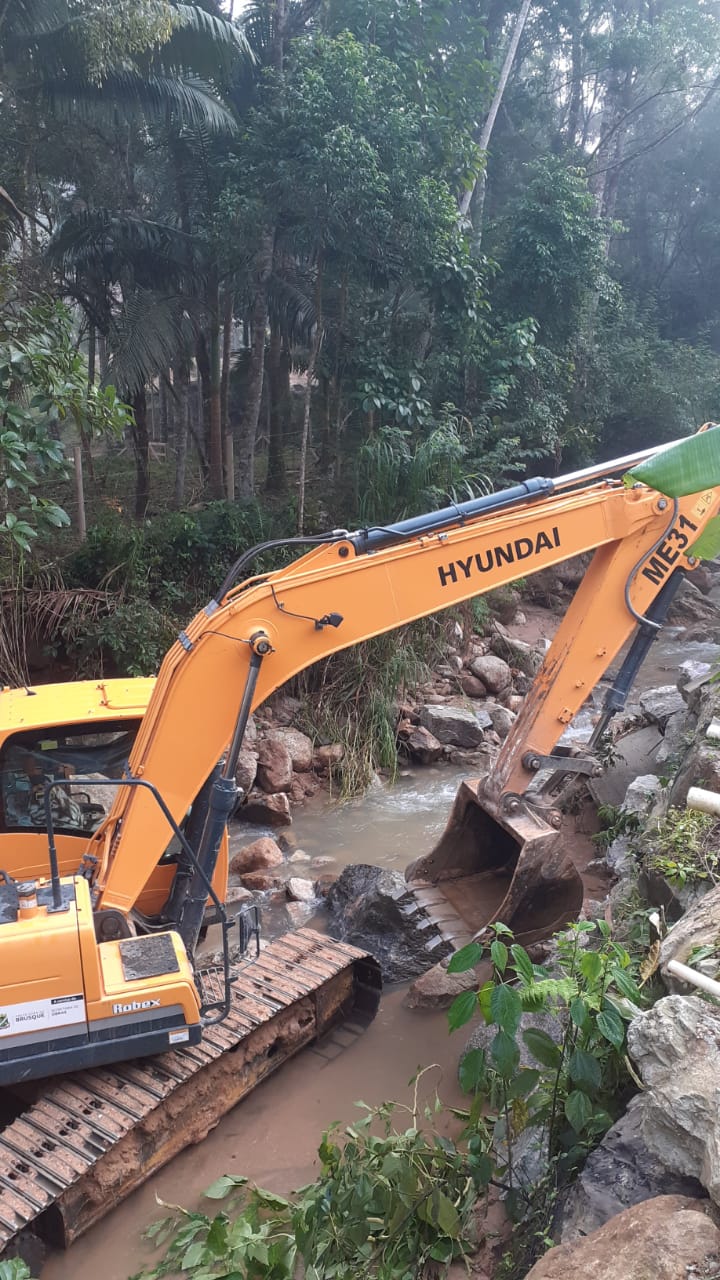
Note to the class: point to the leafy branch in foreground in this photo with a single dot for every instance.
(571, 1095)
(389, 1203)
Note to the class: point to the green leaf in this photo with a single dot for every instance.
(193, 1255)
(506, 1007)
(505, 1053)
(691, 466)
(499, 955)
(584, 1069)
(543, 1049)
(523, 963)
(578, 1109)
(466, 958)
(220, 1188)
(610, 1025)
(523, 1083)
(625, 985)
(591, 965)
(472, 1069)
(481, 1169)
(14, 1269)
(462, 1009)
(484, 997)
(579, 1011)
(441, 1213)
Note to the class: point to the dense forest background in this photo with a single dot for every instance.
(316, 263)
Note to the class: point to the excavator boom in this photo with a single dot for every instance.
(101, 966)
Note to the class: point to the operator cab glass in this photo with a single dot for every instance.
(31, 759)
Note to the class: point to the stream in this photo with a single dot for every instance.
(273, 1134)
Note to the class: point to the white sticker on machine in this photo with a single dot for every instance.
(40, 1015)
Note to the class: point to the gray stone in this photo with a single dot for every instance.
(327, 758)
(518, 653)
(455, 726)
(373, 909)
(471, 686)
(246, 769)
(482, 1036)
(502, 718)
(437, 988)
(421, 744)
(621, 1172)
(493, 671)
(620, 858)
(676, 730)
(661, 703)
(642, 794)
(300, 890)
(299, 856)
(299, 746)
(675, 1046)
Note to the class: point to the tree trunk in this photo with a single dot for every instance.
(312, 362)
(204, 379)
(164, 406)
(476, 193)
(181, 383)
(141, 446)
(217, 482)
(247, 432)
(228, 305)
(279, 393)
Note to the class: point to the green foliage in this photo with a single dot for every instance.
(14, 1269)
(390, 1203)
(43, 390)
(576, 1086)
(684, 847)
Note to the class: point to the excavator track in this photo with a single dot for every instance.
(86, 1140)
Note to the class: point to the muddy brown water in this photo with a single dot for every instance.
(272, 1136)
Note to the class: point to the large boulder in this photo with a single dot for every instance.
(373, 909)
(493, 671)
(274, 767)
(246, 769)
(421, 744)
(675, 1046)
(471, 686)
(455, 726)
(258, 856)
(661, 703)
(621, 1172)
(298, 745)
(668, 1238)
(271, 811)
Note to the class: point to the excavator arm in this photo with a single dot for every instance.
(355, 586)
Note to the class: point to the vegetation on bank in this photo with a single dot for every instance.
(396, 1198)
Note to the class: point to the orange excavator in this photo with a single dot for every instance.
(117, 1048)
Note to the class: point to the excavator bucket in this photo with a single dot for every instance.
(491, 865)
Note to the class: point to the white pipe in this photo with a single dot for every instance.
(693, 978)
(704, 801)
(713, 731)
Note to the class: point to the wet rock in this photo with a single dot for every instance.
(619, 1173)
(699, 927)
(455, 726)
(258, 856)
(274, 772)
(493, 671)
(675, 1046)
(297, 791)
(690, 673)
(422, 745)
(324, 884)
(471, 686)
(326, 758)
(373, 909)
(237, 894)
(299, 856)
(298, 913)
(299, 746)
(620, 858)
(271, 811)
(502, 718)
(262, 881)
(518, 653)
(691, 606)
(300, 890)
(437, 988)
(246, 769)
(667, 1238)
(661, 703)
